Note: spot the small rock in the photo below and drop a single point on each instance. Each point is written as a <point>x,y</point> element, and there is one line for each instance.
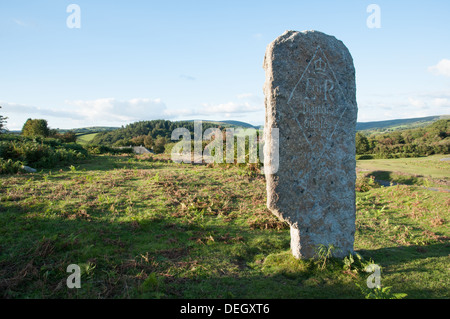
<point>29,169</point>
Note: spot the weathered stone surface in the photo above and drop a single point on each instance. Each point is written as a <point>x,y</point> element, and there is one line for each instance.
<point>310,97</point>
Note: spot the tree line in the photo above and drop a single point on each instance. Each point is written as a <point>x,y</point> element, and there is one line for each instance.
<point>153,134</point>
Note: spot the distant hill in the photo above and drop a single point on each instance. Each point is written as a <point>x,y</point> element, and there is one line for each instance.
<point>388,125</point>
<point>392,125</point>
<point>225,124</point>
<point>89,130</point>
<point>240,124</point>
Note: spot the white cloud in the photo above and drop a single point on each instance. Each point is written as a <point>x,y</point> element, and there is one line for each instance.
<point>435,103</point>
<point>404,105</point>
<point>113,110</point>
<point>442,68</point>
<point>105,111</point>
<point>441,102</point>
<point>110,109</point>
<point>245,104</point>
<point>33,111</point>
<point>215,110</point>
<point>415,102</point>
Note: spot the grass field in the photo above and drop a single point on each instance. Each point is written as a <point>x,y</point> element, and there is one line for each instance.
<point>140,227</point>
<point>426,171</point>
<point>85,138</point>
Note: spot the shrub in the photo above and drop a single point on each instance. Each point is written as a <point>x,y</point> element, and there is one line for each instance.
<point>101,149</point>
<point>9,166</point>
<point>168,148</point>
<point>364,157</point>
<point>40,152</point>
<point>365,183</point>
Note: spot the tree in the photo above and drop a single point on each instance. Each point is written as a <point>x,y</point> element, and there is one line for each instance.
<point>122,143</point>
<point>2,123</point>
<point>362,143</point>
<point>159,145</point>
<point>36,127</point>
<point>138,140</point>
<point>68,137</point>
<point>397,137</point>
<point>148,141</point>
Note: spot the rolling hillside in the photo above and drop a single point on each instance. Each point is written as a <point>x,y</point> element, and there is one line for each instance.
<point>391,125</point>
<point>87,134</point>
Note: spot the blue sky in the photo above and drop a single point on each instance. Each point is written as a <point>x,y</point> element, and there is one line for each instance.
<point>143,60</point>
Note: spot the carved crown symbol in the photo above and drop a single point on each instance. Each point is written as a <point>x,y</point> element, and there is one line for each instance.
<point>319,65</point>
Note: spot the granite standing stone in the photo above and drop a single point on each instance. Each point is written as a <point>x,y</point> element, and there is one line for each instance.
<point>310,97</point>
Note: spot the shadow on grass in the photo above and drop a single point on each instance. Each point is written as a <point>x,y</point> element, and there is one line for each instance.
<point>179,259</point>
<point>385,178</point>
<point>420,271</point>
<point>402,254</point>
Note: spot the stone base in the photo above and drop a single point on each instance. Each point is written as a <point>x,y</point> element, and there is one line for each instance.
<point>295,242</point>
<point>301,249</point>
<point>305,250</point>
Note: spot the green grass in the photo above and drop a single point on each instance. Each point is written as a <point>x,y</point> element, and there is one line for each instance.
<point>140,227</point>
<point>426,171</point>
<point>85,138</point>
